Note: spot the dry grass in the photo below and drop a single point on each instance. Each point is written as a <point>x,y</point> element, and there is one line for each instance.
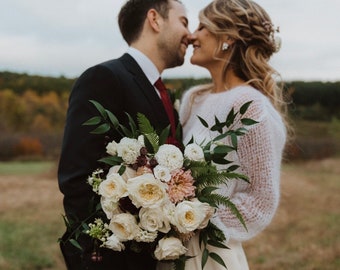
<point>304,234</point>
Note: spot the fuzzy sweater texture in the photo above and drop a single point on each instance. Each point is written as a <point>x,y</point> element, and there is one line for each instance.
<point>259,154</point>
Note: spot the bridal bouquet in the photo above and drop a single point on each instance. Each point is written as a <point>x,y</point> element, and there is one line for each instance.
<point>155,195</point>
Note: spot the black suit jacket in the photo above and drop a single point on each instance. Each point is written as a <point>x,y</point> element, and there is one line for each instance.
<point>120,86</point>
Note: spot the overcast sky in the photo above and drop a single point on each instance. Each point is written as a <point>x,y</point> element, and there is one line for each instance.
<point>64,37</point>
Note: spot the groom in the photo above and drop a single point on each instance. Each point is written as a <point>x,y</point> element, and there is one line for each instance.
<point>157,34</point>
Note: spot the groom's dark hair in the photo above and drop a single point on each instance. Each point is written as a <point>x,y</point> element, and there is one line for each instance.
<point>133,14</point>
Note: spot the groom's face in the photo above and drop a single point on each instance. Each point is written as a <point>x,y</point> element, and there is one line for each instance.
<point>173,40</point>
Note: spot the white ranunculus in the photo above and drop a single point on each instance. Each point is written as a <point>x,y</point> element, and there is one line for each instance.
<point>111,148</point>
<point>153,219</point>
<point>113,187</point>
<point>162,173</point>
<point>113,243</point>
<point>109,207</point>
<point>194,152</point>
<point>128,173</point>
<point>129,149</point>
<point>188,216</point>
<point>170,248</point>
<point>124,226</point>
<point>169,156</point>
<point>146,191</point>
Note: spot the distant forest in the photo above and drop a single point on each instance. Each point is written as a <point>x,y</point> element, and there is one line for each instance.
<point>33,109</point>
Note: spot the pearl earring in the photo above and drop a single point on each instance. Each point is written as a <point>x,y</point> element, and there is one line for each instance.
<point>225,46</point>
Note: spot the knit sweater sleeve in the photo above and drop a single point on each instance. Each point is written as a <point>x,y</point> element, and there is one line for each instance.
<point>259,154</point>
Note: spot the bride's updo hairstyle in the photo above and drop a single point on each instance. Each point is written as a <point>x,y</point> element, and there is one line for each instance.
<point>251,29</point>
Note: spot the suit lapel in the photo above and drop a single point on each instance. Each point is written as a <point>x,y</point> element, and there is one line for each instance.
<point>144,84</point>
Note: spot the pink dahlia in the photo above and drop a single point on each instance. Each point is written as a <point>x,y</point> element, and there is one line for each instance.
<point>181,185</point>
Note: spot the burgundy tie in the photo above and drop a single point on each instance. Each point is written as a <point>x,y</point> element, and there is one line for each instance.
<point>167,104</point>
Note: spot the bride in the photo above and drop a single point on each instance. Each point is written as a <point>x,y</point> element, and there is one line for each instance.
<point>234,41</point>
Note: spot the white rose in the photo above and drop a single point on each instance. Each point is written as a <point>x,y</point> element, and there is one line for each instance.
<point>153,219</point>
<point>124,226</point>
<point>194,152</point>
<point>141,140</point>
<point>146,191</point>
<point>208,212</point>
<point>169,249</point>
<point>114,187</point>
<point>177,104</point>
<point>128,173</point>
<point>162,173</point>
<point>113,243</point>
<point>169,156</point>
<point>129,149</point>
<point>111,148</point>
<point>109,207</point>
<point>188,216</point>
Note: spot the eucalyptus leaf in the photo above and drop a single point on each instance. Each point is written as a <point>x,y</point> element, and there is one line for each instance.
<point>111,160</point>
<point>245,107</point>
<point>204,123</point>
<point>100,108</point>
<point>102,129</point>
<point>217,258</point>
<point>75,243</point>
<point>248,121</point>
<point>93,121</point>
<point>113,119</point>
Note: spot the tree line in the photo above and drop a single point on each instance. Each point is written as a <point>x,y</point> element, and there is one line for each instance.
<point>33,108</point>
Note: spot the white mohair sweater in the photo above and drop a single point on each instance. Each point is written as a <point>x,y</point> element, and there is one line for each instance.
<point>259,154</point>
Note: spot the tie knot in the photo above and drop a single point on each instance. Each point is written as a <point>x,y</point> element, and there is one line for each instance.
<point>160,85</point>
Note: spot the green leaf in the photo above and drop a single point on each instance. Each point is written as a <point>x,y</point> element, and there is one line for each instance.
<point>93,121</point>
<point>100,108</point>
<point>102,129</point>
<point>231,118</point>
<point>113,119</point>
<point>204,123</point>
<point>164,135</point>
<point>217,244</point>
<point>217,258</point>
<point>223,149</point>
<point>144,124</point>
<point>245,107</point>
<point>133,125</point>
<point>76,244</point>
<point>153,140</point>
<point>126,131</point>
<point>248,121</point>
<point>121,170</point>
<point>205,257</point>
<point>111,160</point>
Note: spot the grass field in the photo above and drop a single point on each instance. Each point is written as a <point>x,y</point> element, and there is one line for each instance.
<point>305,233</point>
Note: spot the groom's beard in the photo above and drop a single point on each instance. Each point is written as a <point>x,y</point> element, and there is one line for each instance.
<point>172,53</point>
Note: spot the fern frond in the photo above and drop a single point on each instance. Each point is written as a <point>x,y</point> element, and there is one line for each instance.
<point>144,124</point>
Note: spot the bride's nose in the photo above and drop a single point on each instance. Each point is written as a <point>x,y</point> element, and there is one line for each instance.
<point>192,37</point>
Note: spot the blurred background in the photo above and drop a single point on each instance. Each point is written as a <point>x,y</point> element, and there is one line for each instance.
<point>45,46</point>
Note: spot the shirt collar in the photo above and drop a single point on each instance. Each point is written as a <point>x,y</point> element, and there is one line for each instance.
<point>148,67</point>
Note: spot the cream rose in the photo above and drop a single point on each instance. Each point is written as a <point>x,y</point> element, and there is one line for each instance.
<point>162,173</point>
<point>153,219</point>
<point>169,156</point>
<point>188,216</point>
<point>169,249</point>
<point>113,187</point>
<point>124,226</point>
<point>194,152</point>
<point>111,148</point>
<point>146,191</point>
<point>113,243</point>
<point>128,173</point>
<point>109,207</point>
